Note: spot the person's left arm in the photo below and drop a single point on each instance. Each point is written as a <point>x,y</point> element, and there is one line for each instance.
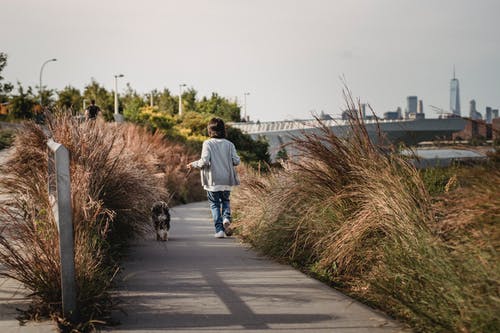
<point>204,160</point>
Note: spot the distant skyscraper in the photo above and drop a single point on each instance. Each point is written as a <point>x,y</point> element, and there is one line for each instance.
<point>494,114</point>
<point>400,113</point>
<point>363,110</point>
<point>473,113</point>
<point>472,109</point>
<point>412,102</point>
<point>488,115</point>
<point>455,96</point>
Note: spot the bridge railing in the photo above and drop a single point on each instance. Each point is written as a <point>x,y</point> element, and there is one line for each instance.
<point>287,125</point>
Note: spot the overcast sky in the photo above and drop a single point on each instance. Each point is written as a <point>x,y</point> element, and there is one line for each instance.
<point>288,54</point>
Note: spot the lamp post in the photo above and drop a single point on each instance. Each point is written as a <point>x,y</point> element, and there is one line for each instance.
<point>41,72</point>
<point>245,105</point>
<point>116,92</point>
<point>180,98</point>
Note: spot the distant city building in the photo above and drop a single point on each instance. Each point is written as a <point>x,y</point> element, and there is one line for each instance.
<point>473,113</point>
<point>324,116</point>
<point>363,110</point>
<point>494,114</point>
<point>488,115</point>
<point>416,116</point>
<point>412,102</point>
<point>412,108</point>
<point>349,114</point>
<point>473,129</point>
<point>393,115</point>
<point>495,128</point>
<point>455,96</point>
<point>420,107</point>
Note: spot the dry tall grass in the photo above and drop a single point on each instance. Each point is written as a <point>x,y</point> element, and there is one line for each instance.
<point>117,172</point>
<point>361,218</point>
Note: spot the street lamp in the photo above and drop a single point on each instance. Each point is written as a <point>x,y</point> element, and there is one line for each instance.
<point>180,98</point>
<point>245,105</point>
<point>41,71</point>
<point>116,93</point>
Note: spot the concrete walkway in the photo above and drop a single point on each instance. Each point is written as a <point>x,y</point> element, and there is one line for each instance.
<point>12,296</point>
<point>196,283</point>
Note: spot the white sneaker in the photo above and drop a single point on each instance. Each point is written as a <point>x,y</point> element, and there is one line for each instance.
<point>227,227</point>
<point>219,234</point>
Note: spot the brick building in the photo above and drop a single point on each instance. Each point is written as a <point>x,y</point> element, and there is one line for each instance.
<point>495,128</point>
<point>473,129</point>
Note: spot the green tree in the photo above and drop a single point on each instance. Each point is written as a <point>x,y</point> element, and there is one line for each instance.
<point>189,100</point>
<point>23,103</point>
<point>154,119</point>
<point>47,95</point>
<point>219,107</point>
<point>132,104</point>
<point>5,88</point>
<point>196,123</point>
<point>166,102</point>
<point>71,99</point>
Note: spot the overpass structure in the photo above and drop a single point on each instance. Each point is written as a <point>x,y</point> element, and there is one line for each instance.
<point>407,131</point>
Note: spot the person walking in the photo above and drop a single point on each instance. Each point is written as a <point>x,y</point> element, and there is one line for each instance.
<point>218,175</point>
<point>92,111</point>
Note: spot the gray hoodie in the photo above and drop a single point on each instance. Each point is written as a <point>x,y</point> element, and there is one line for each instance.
<point>218,158</point>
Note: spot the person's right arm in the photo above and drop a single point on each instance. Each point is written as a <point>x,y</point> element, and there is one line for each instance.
<point>234,155</point>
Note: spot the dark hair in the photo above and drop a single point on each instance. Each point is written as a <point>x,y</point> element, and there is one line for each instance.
<point>92,101</point>
<point>216,128</point>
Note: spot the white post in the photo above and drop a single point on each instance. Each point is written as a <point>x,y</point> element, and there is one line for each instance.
<point>116,92</point>
<point>60,199</point>
<point>117,115</point>
<point>180,98</point>
<point>245,106</point>
<point>151,99</point>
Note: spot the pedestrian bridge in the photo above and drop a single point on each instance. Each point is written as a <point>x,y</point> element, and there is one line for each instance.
<point>407,131</point>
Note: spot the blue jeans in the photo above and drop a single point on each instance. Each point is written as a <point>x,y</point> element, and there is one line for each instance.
<point>220,206</point>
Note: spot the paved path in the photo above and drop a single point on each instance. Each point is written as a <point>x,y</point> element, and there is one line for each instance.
<point>13,295</point>
<point>196,283</point>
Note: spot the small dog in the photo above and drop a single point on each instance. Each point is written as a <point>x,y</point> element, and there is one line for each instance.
<point>160,216</point>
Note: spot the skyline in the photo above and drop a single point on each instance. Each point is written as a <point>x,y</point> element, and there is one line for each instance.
<point>288,55</point>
